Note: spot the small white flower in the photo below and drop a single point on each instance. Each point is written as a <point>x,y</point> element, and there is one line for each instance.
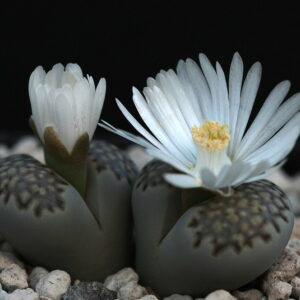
<point>199,124</point>
<point>67,101</point>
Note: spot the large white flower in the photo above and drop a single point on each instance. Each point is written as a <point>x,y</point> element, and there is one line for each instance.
<point>198,124</point>
<point>66,101</point>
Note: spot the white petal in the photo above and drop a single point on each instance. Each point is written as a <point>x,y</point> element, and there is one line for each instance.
<point>97,105</point>
<point>181,180</point>
<point>74,69</point>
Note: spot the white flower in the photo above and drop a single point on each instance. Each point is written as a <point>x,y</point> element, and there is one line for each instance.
<point>67,101</point>
<point>198,124</point>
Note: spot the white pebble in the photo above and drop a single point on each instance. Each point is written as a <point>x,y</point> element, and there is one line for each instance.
<point>131,291</point>
<point>116,281</point>
<point>220,295</point>
<point>25,145</point>
<point>13,277</point>
<point>36,274</point>
<point>178,297</point>
<point>139,156</point>
<point>53,285</point>
<point>25,294</point>
<point>4,151</point>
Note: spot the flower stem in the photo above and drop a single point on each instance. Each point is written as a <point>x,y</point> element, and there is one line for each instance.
<point>75,173</point>
<point>193,197</point>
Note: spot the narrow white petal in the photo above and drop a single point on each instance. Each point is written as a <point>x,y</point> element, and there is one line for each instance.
<point>268,109</point>
<point>249,91</point>
<point>279,145</point>
<point>235,85</point>
<point>169,159</point>
<point>284,113</point>
<point>223,101</point>
<point>127,135</point>
<point>212,80</point>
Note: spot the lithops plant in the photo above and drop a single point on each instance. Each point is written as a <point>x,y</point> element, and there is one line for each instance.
<point>205,218</point>
<point>74,213</point>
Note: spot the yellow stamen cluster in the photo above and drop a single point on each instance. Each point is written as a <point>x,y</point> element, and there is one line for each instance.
<point>212,136</point>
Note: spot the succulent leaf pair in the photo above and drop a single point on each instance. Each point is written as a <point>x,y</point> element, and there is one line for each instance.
<point>203,217</point>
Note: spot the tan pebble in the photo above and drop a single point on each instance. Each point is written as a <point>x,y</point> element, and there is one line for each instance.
<point>295,283</point>
<point>13,277</point>
<point>296,229</point>
<point>7,259</point>
<point>131,291</point>
<point>178,297</point>
<point>248,295</point>
<point>53,285</point>
<point>116,281</point>
<point>36,274</point>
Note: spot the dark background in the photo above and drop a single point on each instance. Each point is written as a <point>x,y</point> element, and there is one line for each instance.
<point>126,42</point>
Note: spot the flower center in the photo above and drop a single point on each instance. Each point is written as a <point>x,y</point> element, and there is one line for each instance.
<point>212,136</point>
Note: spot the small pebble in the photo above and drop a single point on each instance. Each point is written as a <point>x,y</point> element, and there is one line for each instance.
<point>284,269</point>
<point>296,229</point>
<point>294,244</point>
<point>89,290</point>
<point>36,274</point>
<point>248,295</point>
<point>7,259</point>
<point>13,277</point>
<point>24,294</point>
<point>6,247</point>
<point>295,283</point>
<point>279,290</point>
<point>4,151</point>
<point>26,145</point>
<point>54,284</point>
<point>178,297</point>
<point>139,156</point>
<point>131,291</point>
<point>116,281</point>
<point>220,295</point>
<point>148,297</point>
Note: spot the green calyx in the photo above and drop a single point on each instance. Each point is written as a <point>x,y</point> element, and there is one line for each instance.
<point>71,166</point>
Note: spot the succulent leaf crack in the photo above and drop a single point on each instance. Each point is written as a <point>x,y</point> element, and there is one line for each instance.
<point>107,156</point>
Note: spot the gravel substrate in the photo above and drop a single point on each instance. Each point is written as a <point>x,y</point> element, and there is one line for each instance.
<point>19,281</point>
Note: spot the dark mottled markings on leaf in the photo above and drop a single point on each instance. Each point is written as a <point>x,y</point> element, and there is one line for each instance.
<point>152,174</point>
<point>30,184</point>
<point>235,221</point>
<point>108,156</point>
